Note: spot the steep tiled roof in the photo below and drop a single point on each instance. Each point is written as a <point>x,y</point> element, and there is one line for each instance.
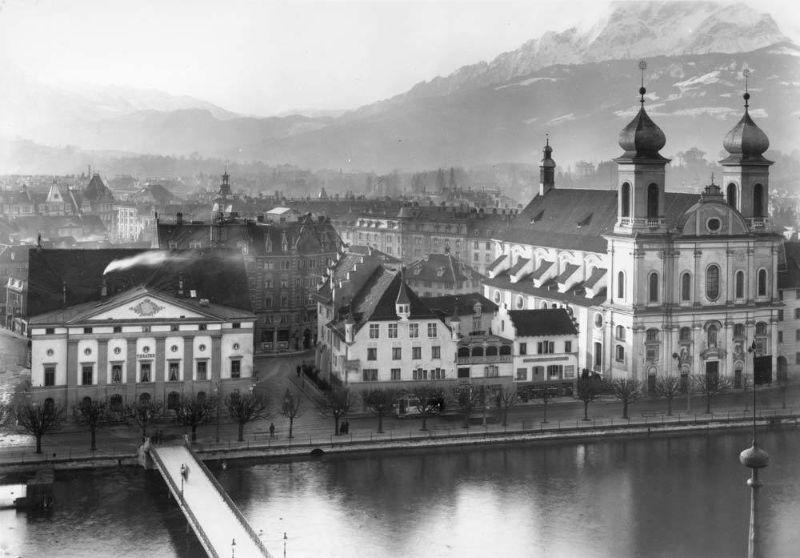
<point>460,304</point>
<point>376,300</point>
<point>534,323</point>
<point>97,191</point>
<point>440,268</point>
<point>216,275</point>
<point>577,219</point>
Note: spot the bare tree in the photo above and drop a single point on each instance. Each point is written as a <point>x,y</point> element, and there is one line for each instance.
<point>710,385</point>
<point>92,414</point>
<point>428,400</point>
<point>338,402</point>
<point>589,386</point>
<point>506,398</point>
<point>466,396</point>
<point>143,413</point>
<point>627,390</point>
<point>668,387</point>
<point>379,402</point>
<point>195,410</point>
<point>247,407</point>
<point>37,419</point>
<point>291,408</point>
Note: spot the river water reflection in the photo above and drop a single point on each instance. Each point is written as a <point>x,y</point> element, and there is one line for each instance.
<point>682,496</point>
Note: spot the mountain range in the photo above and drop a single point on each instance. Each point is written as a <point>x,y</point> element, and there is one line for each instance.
<point>579,86</point>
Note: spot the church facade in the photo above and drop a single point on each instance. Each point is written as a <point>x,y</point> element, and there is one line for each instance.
<point>657,282</point>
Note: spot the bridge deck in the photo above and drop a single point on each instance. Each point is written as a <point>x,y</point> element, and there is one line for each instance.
<point>214,518</point>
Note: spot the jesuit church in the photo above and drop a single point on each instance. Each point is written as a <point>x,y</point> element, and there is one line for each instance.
<point>657,282</point>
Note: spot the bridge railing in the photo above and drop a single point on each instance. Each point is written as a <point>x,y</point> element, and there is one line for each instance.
<point>230,503</point>
<point>176,491</point>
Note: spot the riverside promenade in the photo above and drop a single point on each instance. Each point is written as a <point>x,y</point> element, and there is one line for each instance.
<point>68,450</point>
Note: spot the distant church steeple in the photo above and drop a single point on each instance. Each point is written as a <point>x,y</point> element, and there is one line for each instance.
<point>640,171</point>
<point>547,169</point>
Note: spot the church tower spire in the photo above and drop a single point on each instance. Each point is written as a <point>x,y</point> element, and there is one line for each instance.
<point>745,169</point>
<point>547,169</point>
<point>640,171</point>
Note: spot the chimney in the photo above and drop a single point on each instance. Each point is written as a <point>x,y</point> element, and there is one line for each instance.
<point>64,293</point>
<point>103,289</point>
<point>180,282</point>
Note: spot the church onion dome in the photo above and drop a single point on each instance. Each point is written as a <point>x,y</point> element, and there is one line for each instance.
<point>642,138</point>
<point>746,142</point>
<point>547,155</point>
<point>711,216</point>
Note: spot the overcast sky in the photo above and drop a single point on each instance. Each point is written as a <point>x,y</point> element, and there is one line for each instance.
<point>267,57</point>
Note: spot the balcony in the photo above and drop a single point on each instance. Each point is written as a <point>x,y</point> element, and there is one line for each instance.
<point>759,223</point>
<point>492,359</point>
<point>631,222</point>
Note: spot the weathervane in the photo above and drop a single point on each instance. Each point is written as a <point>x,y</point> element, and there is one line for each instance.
<point>746,74</point>
<point>547,138</point>
<point>642,90</point>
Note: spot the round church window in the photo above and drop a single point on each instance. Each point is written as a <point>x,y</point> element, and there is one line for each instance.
<point>117,350</point>
<point>202,348</point>
<point>87,351</point>
<point>236,346</point>
<point>174,348</point>
<point>598,320</point>
<point>49,352</point>
<point>713,224</point>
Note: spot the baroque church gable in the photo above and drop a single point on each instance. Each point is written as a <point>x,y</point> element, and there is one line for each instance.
<point>146,307</point>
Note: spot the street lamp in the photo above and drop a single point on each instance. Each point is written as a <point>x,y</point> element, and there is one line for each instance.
<point>233,548</point>
<point>754,458</point>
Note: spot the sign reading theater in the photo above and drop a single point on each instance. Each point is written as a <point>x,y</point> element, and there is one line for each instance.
<point>138,344</point>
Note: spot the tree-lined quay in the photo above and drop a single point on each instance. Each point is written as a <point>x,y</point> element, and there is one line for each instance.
<point>469,410</point>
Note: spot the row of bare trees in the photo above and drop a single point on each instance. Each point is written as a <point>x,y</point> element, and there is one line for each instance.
<point>190,412</point>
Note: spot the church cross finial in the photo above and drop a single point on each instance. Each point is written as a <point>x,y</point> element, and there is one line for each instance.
<point>712,179</point>
<point>642,90</point>
<point>746,74</point>
<point>547,138</point>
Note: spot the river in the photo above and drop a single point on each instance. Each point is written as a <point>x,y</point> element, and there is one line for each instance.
<point>661,497</point>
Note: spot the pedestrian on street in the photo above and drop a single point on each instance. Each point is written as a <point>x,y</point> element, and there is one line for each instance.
<point>298,370</point>
<point>272,430</point>
<point>347,427</point>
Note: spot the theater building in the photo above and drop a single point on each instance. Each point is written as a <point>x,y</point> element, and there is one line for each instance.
<point>140,344</point>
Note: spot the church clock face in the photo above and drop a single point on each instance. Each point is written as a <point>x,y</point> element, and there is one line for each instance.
<point>713,224</point>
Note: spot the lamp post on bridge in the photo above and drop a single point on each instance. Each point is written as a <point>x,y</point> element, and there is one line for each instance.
<point>754,458</point>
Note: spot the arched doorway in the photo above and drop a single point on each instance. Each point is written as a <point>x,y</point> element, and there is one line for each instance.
<point>173,400</point>
<point>307,339</point>
<point>145,398</point>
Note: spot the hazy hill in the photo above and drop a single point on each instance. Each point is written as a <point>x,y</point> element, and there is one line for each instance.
<point>579,86</point>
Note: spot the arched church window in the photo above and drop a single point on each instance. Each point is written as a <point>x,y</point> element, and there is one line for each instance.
<point>758,200</point>
<point>620,353</point>
<point>739,284</point>
<point>712,282</point>
<point>762,282</point>
<point>686,287</point>
<point>651,335</point>
<point>620,333</point>
<point>625,200</point>
<point>652,289</point>
<point>761,329</point>
<point>652,201</point>
<point>620,285</point>
<point>732,194</point>
<point>685,334</point>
